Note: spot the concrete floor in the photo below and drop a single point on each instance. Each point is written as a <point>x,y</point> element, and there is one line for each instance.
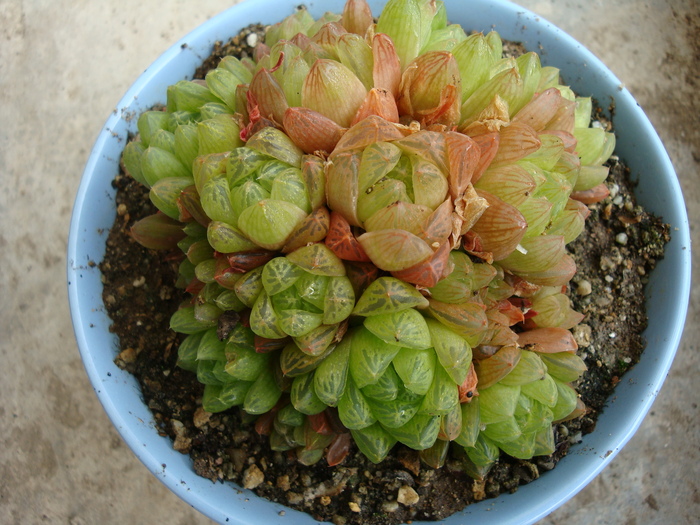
<point>64,64</point>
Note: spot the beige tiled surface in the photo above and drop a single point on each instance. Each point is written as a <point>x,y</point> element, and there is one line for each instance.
<point>64,64</point>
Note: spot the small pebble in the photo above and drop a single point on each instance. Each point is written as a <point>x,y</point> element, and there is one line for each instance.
<point>407,496</point>
<point>621,238</point>
<point>252,39</point>
<point>354,507</point>
<point>253,477</point>
<point>201,417</point>
<point>294,498</point>
<point>283,483</point>
<point>584,288</point>
<point>390,506</point>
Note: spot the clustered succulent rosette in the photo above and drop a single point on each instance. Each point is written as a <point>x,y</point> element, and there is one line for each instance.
<point>374,219</point>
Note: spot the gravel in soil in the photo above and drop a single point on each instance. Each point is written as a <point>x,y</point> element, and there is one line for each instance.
<point>614,257</point>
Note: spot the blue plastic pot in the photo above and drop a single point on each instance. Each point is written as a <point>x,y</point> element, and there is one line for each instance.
<point>637,144</point>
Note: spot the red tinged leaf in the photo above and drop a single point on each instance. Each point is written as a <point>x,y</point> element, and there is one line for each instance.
<point>265,423</point>
<point>540,110</point>
<point>158,232</point>
<point>500,228</point>
<point>312,229</point>
<point>379,102</point>
<point>430,271</point>
<point>265,346</point>
<point>338,449</point>
<point>463,155</point>
<point>361,275</point>
<point>548,340</point>
<point>320,424</point>
<point>245,261</point>
<point>467,390</point>
<point>194,287</point>
<point>342,241</point>
<point>311,131</point>
<point>386,72</point>
<point>488,147</point>
<point>226,276</point>
<point>357,16</point>
<point>595,194</point>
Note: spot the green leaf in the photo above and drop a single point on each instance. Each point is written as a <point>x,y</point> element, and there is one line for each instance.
<point>262,395</point>
<point>332,374</point>
<point>165,193</point>
<point>245,363</point>
<point>522,448</point>
<point>270,222</point>
<point>419,433</point>
<point>279,274</point>
<point>216,200</point>
<point>374,442</point>
<point>483,455</point>
<point>298,323</point>
<point>543,390</point>
<point>318,259</point>
<point>416,368</point>
<point>404,328</point>
<point>471,423</point>
<point>187,95</point>
<point>386,388</point>
<point>187,352</point>
<point>249,287</point>
<point>225,238</point>
<point>388,295</point>
<point>183,321</point>
<point>218,398</point>
<point>211,347</point>
<point>339,300</point>
<point>396,413</point>
<point>304,396</point>
<point>219,134</point>
<point>295,362</point>
<point>264,320</point>
<point>497,403</point>
<point>317,341</point>
<point>566,401</point>
<point>529,368</point>
<point>274,143</point>
<point>353,408</point>
<point>158,164</point>
<point>564,366</point>
<point>369,357</point>
<point>149,123</point>
<point>442,396</point>
<point>453,351</point>
<point>503,431</point>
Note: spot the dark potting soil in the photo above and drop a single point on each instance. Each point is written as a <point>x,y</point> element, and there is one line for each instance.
<point>614,257</point>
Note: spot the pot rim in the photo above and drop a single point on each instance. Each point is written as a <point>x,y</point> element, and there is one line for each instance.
<point>667,293</point>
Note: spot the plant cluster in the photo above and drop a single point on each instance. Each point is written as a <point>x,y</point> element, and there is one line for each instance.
<point>372,220</point>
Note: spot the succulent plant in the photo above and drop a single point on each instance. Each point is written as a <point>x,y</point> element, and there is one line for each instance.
<point>373,220</point>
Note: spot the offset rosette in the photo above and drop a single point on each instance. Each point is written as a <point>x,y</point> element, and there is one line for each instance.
<point>406,193</point>
<point>399,376</point>
<point>523,389</point>
<point>266,194</point>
